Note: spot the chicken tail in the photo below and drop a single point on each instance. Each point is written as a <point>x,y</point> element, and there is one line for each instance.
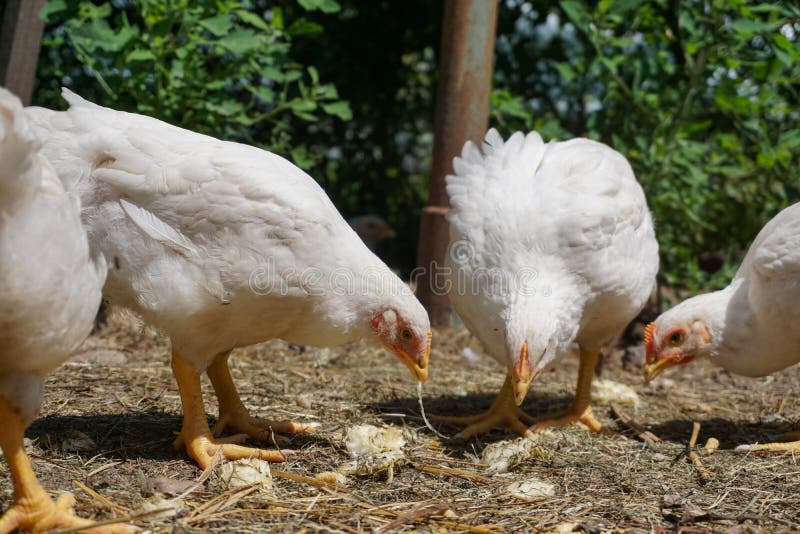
<point>497,163</point>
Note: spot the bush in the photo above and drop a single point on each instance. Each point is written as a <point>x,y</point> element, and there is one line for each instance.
<point>702,97</point>
<point>218,67</point>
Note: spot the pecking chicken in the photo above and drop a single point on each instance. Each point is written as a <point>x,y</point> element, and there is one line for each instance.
<point>551,245</point>
<point>748,328</point>
<point>49,292</point>
<point>372,229</point>
<point>223,245</point>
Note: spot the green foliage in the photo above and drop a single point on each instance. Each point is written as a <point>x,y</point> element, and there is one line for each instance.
<point>218,67</point>
<point>702,97</point>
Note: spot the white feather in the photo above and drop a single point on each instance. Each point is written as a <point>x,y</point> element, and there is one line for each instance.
<point>158,229</point>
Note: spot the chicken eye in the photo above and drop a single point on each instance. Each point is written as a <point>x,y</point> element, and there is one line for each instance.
<point>676,338</point>
<point>405,334</point>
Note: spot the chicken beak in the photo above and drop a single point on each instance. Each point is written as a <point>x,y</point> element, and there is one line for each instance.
<point>654,366</point>
<point>652,370</point>
<point>521,375</point>
<point>418,366</point>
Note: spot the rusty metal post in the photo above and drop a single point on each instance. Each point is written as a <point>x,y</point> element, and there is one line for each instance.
<point>20,41</point>
<point>462,113</point>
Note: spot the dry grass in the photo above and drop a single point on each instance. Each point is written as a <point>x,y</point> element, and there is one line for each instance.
<point>612,482</point>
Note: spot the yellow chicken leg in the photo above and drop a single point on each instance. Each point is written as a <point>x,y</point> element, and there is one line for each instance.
<point>233,414</point>
<point>33,510</point>
<point>195,434</point>
<point>580,410</point>
<point>503,414</point>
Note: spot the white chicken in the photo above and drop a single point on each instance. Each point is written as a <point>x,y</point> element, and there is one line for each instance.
<point>223,245</point>
<point>750,327</point>
<point>49,293</point>
<point>551,245</point>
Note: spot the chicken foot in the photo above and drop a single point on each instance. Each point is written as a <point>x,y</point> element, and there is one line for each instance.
<point>33,510</point>
<point>581,409</point>
<point>195,434</point>
<point>503,414</point>
<point>233,414</point>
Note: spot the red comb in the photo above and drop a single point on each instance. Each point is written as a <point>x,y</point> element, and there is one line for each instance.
<point>649,342</point>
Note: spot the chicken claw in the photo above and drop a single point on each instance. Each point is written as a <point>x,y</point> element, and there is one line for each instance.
<point>502,414</point>
<point>233,414</point>
<point>581,409</point>
<point>572,415</point>
<point>205,450</point>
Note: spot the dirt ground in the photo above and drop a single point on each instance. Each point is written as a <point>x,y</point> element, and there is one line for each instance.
<point>121,395</point>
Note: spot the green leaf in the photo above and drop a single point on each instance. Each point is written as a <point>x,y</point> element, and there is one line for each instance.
<point>277,18</point>
<point>301,157</point>
<point>140,55</point>
<point>98,35</point>
<point>327,91</point>
<point>92,11</point>
<point>622,7</point>
<point>51,8</point>
<point>252,19</point>
<point>566,71</point>
<point>326,6</point>
<point>240,41</point>
<point>299,104</point>
<point>273,73</point>
<point>314,75</point>
<point>304,27</point>
<point>263,93</point>
<point>339,109</point>
<point>219,25</point>
<point>226,107</point>
<point>577,13</point>
<point>747,27</point>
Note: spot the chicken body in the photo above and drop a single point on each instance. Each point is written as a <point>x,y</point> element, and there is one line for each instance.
<point>49,293</point>
<point>222,245</point>
<point>552,245</point>
<point>750,327</point>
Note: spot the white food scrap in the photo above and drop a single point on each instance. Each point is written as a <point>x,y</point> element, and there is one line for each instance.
<point>607,391</point>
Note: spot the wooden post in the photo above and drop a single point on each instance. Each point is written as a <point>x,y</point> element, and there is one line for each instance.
<point>20,41</point>
<point>462,113</point>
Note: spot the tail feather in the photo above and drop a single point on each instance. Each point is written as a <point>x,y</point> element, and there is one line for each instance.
<point>75,99</point>
<point>512,162</point>
<point>19,161</point>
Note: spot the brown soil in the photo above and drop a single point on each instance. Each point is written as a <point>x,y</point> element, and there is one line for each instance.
<point>121,394</point>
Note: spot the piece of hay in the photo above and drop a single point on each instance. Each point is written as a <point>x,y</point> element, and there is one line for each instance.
<point>422,412</point>
<point>332,479</point>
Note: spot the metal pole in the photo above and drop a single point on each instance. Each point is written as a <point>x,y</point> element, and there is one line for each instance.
<point>20,40</point>
<point>462,113</point>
